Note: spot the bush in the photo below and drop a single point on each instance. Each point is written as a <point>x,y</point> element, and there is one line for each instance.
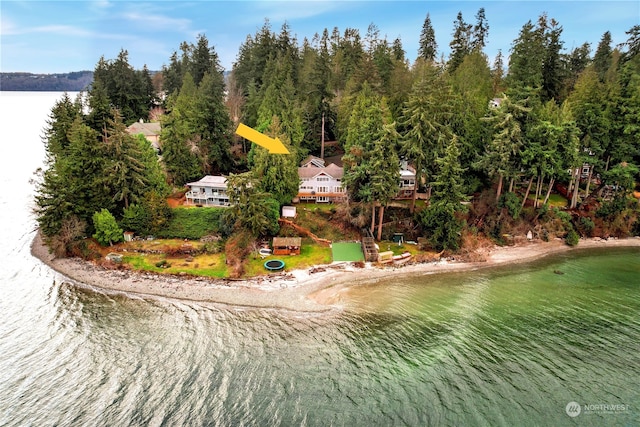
<point>512,203</point>
<point>586,226</point>
<point>107,229</point>
<point>572,238</point>
<point>442,225</point>
<point>612,208</point>
<point>148,217</point>
<point>192,223</point>
<point>136,219</point>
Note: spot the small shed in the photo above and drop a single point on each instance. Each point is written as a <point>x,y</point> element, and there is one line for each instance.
<point>288,211</point>
<point>287,245</point>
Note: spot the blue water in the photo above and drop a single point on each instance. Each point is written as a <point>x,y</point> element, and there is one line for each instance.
<point>510,346</point>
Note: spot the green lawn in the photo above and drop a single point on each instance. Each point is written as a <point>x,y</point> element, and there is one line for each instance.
<point>310,254</point>
<point>347,252</point>
<point>202,265</point>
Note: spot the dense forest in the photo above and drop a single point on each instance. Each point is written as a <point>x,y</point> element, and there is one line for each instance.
<point>491,141</point>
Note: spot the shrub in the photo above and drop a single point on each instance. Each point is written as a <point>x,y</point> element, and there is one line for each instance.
<point>192,223</point>
<point>611,208</point>
<point>512,203</point>
<point>572,238</point>
<point>136,218</point>
<point>107,229</point>
<point>148,217</point>
<point>442,225</point>
<point>586,226</point>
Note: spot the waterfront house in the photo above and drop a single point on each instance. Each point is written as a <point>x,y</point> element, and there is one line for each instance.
<point>320,183</point>
<point>407,183</point>
<point>209,191</point>
<point>323,184</point>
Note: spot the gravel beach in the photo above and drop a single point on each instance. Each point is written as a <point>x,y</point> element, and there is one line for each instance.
<point>312,290</point>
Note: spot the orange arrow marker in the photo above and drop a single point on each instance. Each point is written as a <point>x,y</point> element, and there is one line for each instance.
<point>274,146</point>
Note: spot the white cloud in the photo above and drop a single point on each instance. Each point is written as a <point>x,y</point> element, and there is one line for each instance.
<point>159,22</point>
<point>63,30</point>
<point>6,26</point>
<point>102,4</point>
<point>280,11</point>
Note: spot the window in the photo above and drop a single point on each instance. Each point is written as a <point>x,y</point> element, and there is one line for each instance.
<point>322,178</point>
<point>323,189</point>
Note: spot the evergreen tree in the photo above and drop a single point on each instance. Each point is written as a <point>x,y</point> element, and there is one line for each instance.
<point>179,143</point>
<point>480,31</point>
<point>552,67</point>
<point>500,159</point>
<point>124,171</point>
<point>57,132</point>
<point>213,124</point>
<point>99,106</point>
<point>366,141</point>
<point>277,175</point>
<point>603,56</point>
<point>127,90</point>
<point>348,56</point>
<point>172,75</point>
<point>575,63</point>
<point>425,123</point>
<point>497,74</point>
<point>460,44</point>
<point>632,43</point>
<point>442,220</point>
<point>398,50</point>
<point>472,90</point>
<point>527,56</point>
<point>201,60</point>
<point>428,47</point>
<point>385,173</point>
<point>589,106</point>
<point>251,209</point>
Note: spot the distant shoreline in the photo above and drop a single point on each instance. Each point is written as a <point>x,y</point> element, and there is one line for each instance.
<point>298,290</point>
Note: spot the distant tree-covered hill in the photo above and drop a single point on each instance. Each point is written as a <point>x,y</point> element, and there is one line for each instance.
<point>70,82</point>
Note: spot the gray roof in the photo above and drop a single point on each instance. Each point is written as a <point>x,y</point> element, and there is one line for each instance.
<point>332,170</point>
<point>147,129</point>
<point>313,161</point>
<point>210,181</point>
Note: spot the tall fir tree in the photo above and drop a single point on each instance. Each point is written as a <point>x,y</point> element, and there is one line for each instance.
<point>428,47</point>
<point>460,44</point>
<point>603,56</point>
<point>480,31</point>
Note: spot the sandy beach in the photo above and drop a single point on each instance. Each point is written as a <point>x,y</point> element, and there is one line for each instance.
<point>299,290</point>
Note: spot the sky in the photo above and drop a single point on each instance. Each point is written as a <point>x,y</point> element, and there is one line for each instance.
<point>64,36</point>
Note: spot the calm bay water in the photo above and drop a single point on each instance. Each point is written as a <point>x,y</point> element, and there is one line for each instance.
<point>510,346</point>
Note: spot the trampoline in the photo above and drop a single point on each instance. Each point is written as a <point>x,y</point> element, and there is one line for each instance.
<point>274,264</point>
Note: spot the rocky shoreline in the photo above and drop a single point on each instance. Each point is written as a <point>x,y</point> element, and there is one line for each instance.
<point>313,290</point>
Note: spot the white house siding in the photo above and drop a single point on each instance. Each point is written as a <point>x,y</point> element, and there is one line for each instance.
<point>209,191</point>
<point>321,184</point>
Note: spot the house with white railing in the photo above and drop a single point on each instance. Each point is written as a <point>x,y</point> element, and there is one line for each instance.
<point>320,183</point>
<point>209,191</point>
<point>407,182</point>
